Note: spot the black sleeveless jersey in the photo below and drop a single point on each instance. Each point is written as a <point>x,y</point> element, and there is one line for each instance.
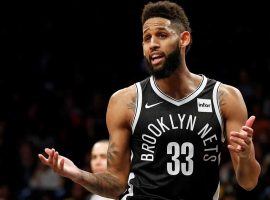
<point>175,144</point>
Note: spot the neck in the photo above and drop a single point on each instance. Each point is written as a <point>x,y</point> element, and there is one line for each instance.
<point>180,84</point>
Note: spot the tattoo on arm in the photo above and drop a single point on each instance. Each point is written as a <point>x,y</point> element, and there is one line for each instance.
<point>104,184</point>
<point>132,105</point>
<point>221,95</point>
<point>111,154</point>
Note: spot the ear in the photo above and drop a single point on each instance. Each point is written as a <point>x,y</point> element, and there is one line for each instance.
<point>185,38</point>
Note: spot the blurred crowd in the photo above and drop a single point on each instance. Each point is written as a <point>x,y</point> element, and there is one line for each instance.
<point>57,121</point>
<point>63,120</point>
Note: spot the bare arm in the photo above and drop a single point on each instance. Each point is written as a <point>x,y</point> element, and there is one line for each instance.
<point>239,133</point>
<point>112,182</point>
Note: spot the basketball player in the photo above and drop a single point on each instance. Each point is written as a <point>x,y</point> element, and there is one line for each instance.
<point>166,132</point>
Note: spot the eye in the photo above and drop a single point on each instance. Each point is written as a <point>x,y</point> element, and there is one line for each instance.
<point>146,38</point>
<point>93,157</point>
<point>162,35</point>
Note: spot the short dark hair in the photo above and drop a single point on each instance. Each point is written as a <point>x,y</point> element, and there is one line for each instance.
<point>167,10</point>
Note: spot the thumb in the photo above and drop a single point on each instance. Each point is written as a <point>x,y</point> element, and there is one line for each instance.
<point>250,121</point>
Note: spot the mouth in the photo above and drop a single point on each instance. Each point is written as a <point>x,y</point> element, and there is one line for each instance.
<point>98,169</point>
<point>157,58</point>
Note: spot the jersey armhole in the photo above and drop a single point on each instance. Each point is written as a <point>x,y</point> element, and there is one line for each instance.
<point>218,110</point>
<point>138,106</point>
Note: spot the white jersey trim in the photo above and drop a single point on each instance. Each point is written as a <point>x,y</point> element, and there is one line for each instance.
<point>131,156</point>
<point>130,189</point>
<point>217,109</point>
<point>216,195</point>
<point>138,106</point>
<point>180,101</point>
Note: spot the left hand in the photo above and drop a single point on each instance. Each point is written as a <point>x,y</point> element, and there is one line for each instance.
<point>241,142</point>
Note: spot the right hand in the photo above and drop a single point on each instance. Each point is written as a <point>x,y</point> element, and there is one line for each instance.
<point>241,142</point>
<point>60,164</point>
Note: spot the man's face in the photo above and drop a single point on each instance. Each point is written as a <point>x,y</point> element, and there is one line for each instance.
<point>160,46</point>
<point>98,159</point>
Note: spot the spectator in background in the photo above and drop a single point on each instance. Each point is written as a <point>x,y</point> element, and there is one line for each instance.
<point>98,162</point>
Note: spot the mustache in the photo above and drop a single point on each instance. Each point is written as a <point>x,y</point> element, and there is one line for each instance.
<point>172,62</point>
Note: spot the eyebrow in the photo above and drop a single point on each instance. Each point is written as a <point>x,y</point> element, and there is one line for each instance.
<point>158,28</point>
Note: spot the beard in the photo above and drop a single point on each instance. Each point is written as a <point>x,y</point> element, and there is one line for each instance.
<point>172,62</point>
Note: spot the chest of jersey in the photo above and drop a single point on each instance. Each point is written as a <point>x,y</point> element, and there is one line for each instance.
<point>172,132</point>
<point>175,144</point>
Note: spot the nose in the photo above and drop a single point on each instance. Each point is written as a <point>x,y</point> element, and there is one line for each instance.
<point>154,43</point>
<point>95,164</point>
<point>98,161</point>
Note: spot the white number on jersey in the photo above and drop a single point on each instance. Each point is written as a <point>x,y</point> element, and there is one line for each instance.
<point>175,167</point>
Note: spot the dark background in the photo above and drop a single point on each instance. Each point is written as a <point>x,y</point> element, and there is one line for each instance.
<point>60,62</point>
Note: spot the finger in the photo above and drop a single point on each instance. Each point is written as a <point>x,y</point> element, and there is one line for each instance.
<point>62,162</point>
<point>43,159</point>
<point>240,148</point>
<point>237,148</point>
<point>234,149</point>
<point>250,121</point>
<point>237,134</point>
<point>48,151</point>
<point>55,160</point>
<point>238,141</point>
<point>242,136</point>
<point>51,155</point>
<point>248,130</point>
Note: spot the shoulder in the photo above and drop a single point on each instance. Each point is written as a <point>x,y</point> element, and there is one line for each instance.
<point>125,95</point>
<point>231,100</point>
<point>229,93</point>
<point>123,104</point>
<point>230,90</point>
<point>127,92</point>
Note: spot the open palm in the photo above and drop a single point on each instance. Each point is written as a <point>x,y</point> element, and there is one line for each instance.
<point>60,164</point>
